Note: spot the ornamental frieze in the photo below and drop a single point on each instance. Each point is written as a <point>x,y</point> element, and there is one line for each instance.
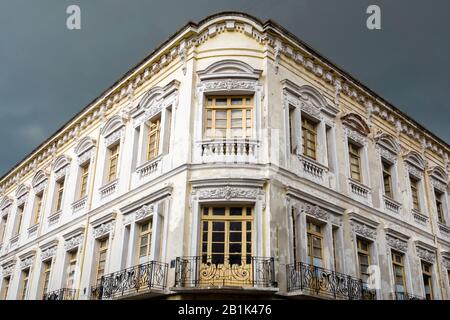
<point>114,137</point>
<point>426,255</point>
<point>438,185</point>
<point>396,243</point>
<point>27,262</point>
<point>446,263</point>
<point>143,212</point>
<point>103,229</point>
<point>73,242</point>
<point>230,84</point>
<point>313,210</point>
<point>229,193</point>
<point>386,154</point>
<point>355,136</point>
<point>310,109</point>
<point>363,230</point>
<point>48,253</point>
<point>86,156</point>
<point>8,269</point>
<point>412,170</point>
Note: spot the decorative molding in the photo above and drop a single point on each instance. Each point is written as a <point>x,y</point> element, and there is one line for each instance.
<point>414,171</point>
<point>228,192</point>
<point>103,229</point>
<point>446,263</point>
<point>426,255</point>
<point>73,242</point>
<point>396,243</point>
<point>229,84</point>
<point>49,253</point>
<point>8,268</point>
<point>363,230</point>
<point>355,136</point>
<point>27,260</point>
<point>114,137</point>
<point>437,184</point>
<point>313,210</point>
<point>144,212</point>
<point>386,154</point>
<point>86,156</point>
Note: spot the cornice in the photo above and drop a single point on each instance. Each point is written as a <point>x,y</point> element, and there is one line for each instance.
<point>269,33</point>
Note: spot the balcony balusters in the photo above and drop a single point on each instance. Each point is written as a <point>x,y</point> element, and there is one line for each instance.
<point>135,280</point>
<point>220,271</point>
<point>322,282</point>
<point>61,294</point>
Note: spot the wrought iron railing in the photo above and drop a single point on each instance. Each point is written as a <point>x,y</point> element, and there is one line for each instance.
<point>222,271</point>
<point>61,294</point>
<point>135,280</point>
<point>322,282</point>
<point>407,296</point>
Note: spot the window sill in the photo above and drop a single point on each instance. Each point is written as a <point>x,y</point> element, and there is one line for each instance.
<point>419,217</point>
<point>54,218</point>
<point>444,228</point>
<point>312,168</point>
<point>149,167</point>
<point>79,204</point>
<point>359,189</point>
<point>391,205</point>
<point>228,150</point>
<point>108,189</point>
<point>33,230</point>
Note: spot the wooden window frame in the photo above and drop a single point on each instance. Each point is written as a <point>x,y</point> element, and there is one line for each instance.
<point>148,235</point>
<point>311,234</point>
<point>363,252</point>
<point>439,206</point>
<point>400,265</point>
<point>47,269</point>
<point>309,129</point>
<point>19,219</point>
<point>3,225</point>
<point>113,162</point>
<point>5,286</point>
<point>415,195</point>
<point>84,178</point>
<point>60,185</point>
<point>354,152</point>
<point>101,249</point>
<point>154,130</point>
<point>244,107</point>
<point>227,217</point>
<point>24,283</point>
<point>387,179</point>
<point>429,275</point>
<point>37,210</point>
<point>72,261</point>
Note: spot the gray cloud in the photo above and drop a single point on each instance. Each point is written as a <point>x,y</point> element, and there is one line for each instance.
<point>48,73</point>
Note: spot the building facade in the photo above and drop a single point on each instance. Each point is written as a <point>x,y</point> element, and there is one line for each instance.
<point>234,161</point>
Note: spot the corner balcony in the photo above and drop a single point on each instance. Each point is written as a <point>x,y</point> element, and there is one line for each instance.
<point>61,294</point>
<point>406,296</point>
<point>148,279</point>
<point>220,273</point>
<point>305,279</point>
<point>228,151</point>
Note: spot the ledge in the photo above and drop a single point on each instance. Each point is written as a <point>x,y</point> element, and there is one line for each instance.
<point>108,188</point>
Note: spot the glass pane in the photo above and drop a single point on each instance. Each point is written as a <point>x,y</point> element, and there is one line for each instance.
<point>218,247</point>
<point>236,101</point>
<point>221,102</point>
<point>235,211</point>
<point>235,236</point>
<point>219,211</point>
<point>235,248</point>
<point>218,226</point>
<point>218,236</point>
<point>236,225</point>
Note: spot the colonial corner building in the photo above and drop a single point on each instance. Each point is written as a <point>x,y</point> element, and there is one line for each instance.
<point>234,161</point>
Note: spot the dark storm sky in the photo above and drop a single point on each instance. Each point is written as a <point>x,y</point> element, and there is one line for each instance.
<point>48,73</point>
